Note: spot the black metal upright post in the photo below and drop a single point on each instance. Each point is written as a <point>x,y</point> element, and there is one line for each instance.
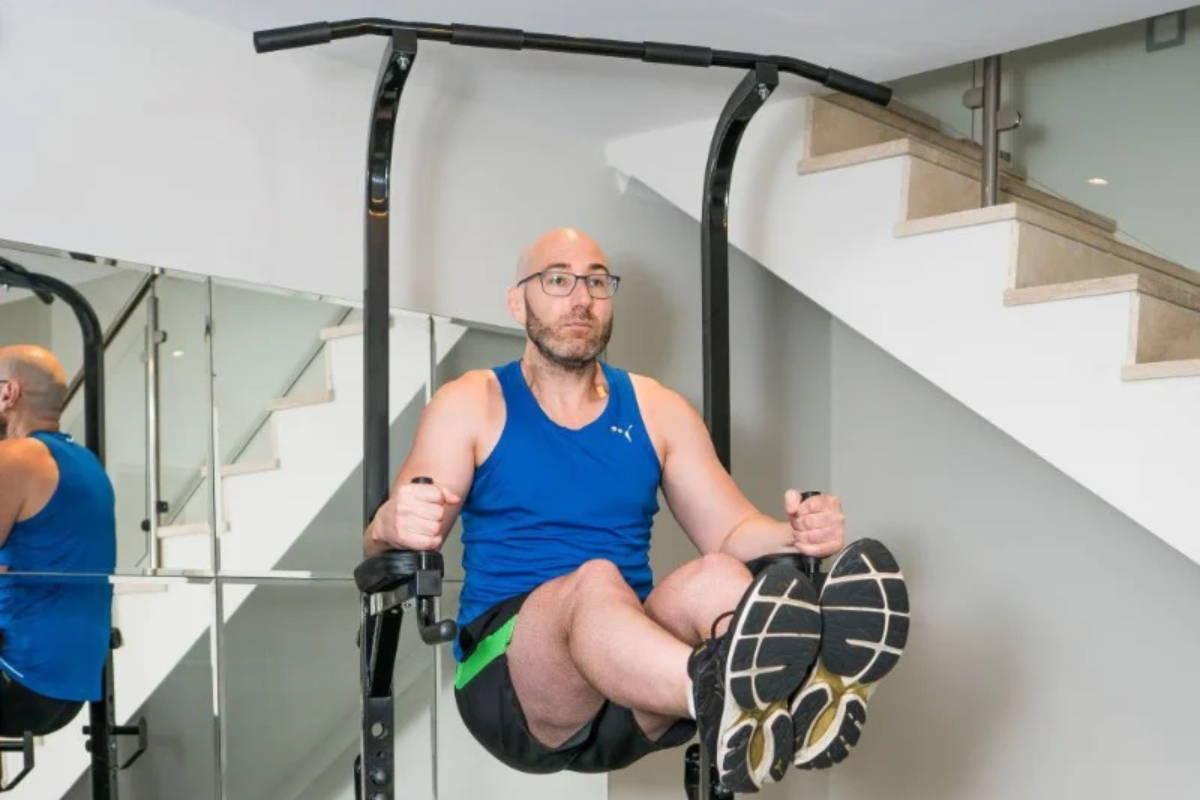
<point>101,714</point>
<point>746,99</point>
<point>101,742</point>
<point>377,774</point>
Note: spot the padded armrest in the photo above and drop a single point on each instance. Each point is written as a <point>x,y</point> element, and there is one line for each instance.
<point>395,568</point>
<point>417,573</point>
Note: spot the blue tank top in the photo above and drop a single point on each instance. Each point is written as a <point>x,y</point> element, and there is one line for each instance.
<point>56,630</point>
<point>549,498</point>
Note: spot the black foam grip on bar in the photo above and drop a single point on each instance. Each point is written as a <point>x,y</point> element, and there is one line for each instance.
<point>684,54</point>
<point>295,36</point>
<point>480,36</point>
<point>859,87</point>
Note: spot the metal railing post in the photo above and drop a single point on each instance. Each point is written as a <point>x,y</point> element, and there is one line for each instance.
<point>154,338</point>
<point>990,180</point>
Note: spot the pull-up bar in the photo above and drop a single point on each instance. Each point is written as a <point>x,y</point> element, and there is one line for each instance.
<point>684,55</point>
<point>391,580</point>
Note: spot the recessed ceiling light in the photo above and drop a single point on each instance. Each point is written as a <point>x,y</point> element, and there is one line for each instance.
<point>1098,181</point>
<point>177,354</point>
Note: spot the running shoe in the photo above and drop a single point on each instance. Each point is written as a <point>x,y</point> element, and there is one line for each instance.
<point>743,679</point>
<point>864,611</point>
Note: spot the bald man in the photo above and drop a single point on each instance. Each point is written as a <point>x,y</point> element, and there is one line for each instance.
<point>569,656</point>
<point>56,516</point>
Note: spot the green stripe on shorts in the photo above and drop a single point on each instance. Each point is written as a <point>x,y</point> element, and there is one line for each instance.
<point>491,648</point>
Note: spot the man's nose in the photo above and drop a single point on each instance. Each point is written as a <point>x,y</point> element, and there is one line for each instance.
<point>580,295</point>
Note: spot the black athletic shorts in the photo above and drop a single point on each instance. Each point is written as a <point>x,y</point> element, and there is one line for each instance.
<point>488,704</point>
<point>22,709</point>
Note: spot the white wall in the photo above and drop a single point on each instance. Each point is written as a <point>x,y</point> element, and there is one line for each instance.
<point>139,130</point>
<point>1099,105</point>
<point>1047,627</point>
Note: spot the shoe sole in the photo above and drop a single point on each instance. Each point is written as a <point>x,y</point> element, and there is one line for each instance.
<point>865,615</point>
<point>776,634</point>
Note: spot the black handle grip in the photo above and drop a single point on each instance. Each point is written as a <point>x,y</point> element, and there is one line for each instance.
<point>812,564</point>
<point>433,630</point>
<point>859,87</point>
<point>481,36</point>
<point>809,565</point>
<point>294,36</point>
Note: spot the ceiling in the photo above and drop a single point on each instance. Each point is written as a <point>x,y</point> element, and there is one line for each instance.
<point>879,39</point>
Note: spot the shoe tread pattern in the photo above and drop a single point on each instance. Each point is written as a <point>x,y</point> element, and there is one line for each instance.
<point>865,612</point>
<point>865,608</point>
<point>776,634</point>
<point>771,643</point>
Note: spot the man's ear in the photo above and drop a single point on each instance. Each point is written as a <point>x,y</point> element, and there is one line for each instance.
<point>516,304</point>
<point>10,393</point>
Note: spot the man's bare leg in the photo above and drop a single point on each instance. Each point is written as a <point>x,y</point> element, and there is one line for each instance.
<point>686,603</point>
<point>585,637</point>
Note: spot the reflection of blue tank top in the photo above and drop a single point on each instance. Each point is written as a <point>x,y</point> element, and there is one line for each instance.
<point>56,630</point>
<point>549,498</point>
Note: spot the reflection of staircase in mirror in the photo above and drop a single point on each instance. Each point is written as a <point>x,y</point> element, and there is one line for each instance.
<point>292,504</point>
<point>310,443</point>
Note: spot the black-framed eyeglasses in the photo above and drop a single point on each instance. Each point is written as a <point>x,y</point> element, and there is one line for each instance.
<point>560,283</point>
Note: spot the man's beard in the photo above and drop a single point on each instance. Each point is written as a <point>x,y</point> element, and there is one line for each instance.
<point>3,428</point>
<point>580,356</point>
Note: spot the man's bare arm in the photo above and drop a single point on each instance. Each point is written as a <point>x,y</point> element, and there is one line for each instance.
<point>16,476</point>
<point>443,449</point>
<point>715,513</point>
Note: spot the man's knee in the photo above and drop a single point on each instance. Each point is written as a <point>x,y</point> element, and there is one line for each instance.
<point>688,600</point>
<point>720,567</point>
<point>597,579</point>
<point>598,571</point>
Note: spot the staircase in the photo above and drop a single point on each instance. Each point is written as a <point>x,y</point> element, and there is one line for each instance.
<point>1033,313</point>
<point>315,447</point>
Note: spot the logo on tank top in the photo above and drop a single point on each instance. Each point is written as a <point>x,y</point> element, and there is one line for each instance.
<point>622,431</point>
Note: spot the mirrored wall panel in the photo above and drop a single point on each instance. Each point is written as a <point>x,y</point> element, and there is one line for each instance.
<point>207,553</point>
<point>290,708</point>
<point>161,651</point>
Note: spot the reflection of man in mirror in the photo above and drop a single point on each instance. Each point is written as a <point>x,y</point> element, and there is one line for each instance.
<point>56,516</point>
